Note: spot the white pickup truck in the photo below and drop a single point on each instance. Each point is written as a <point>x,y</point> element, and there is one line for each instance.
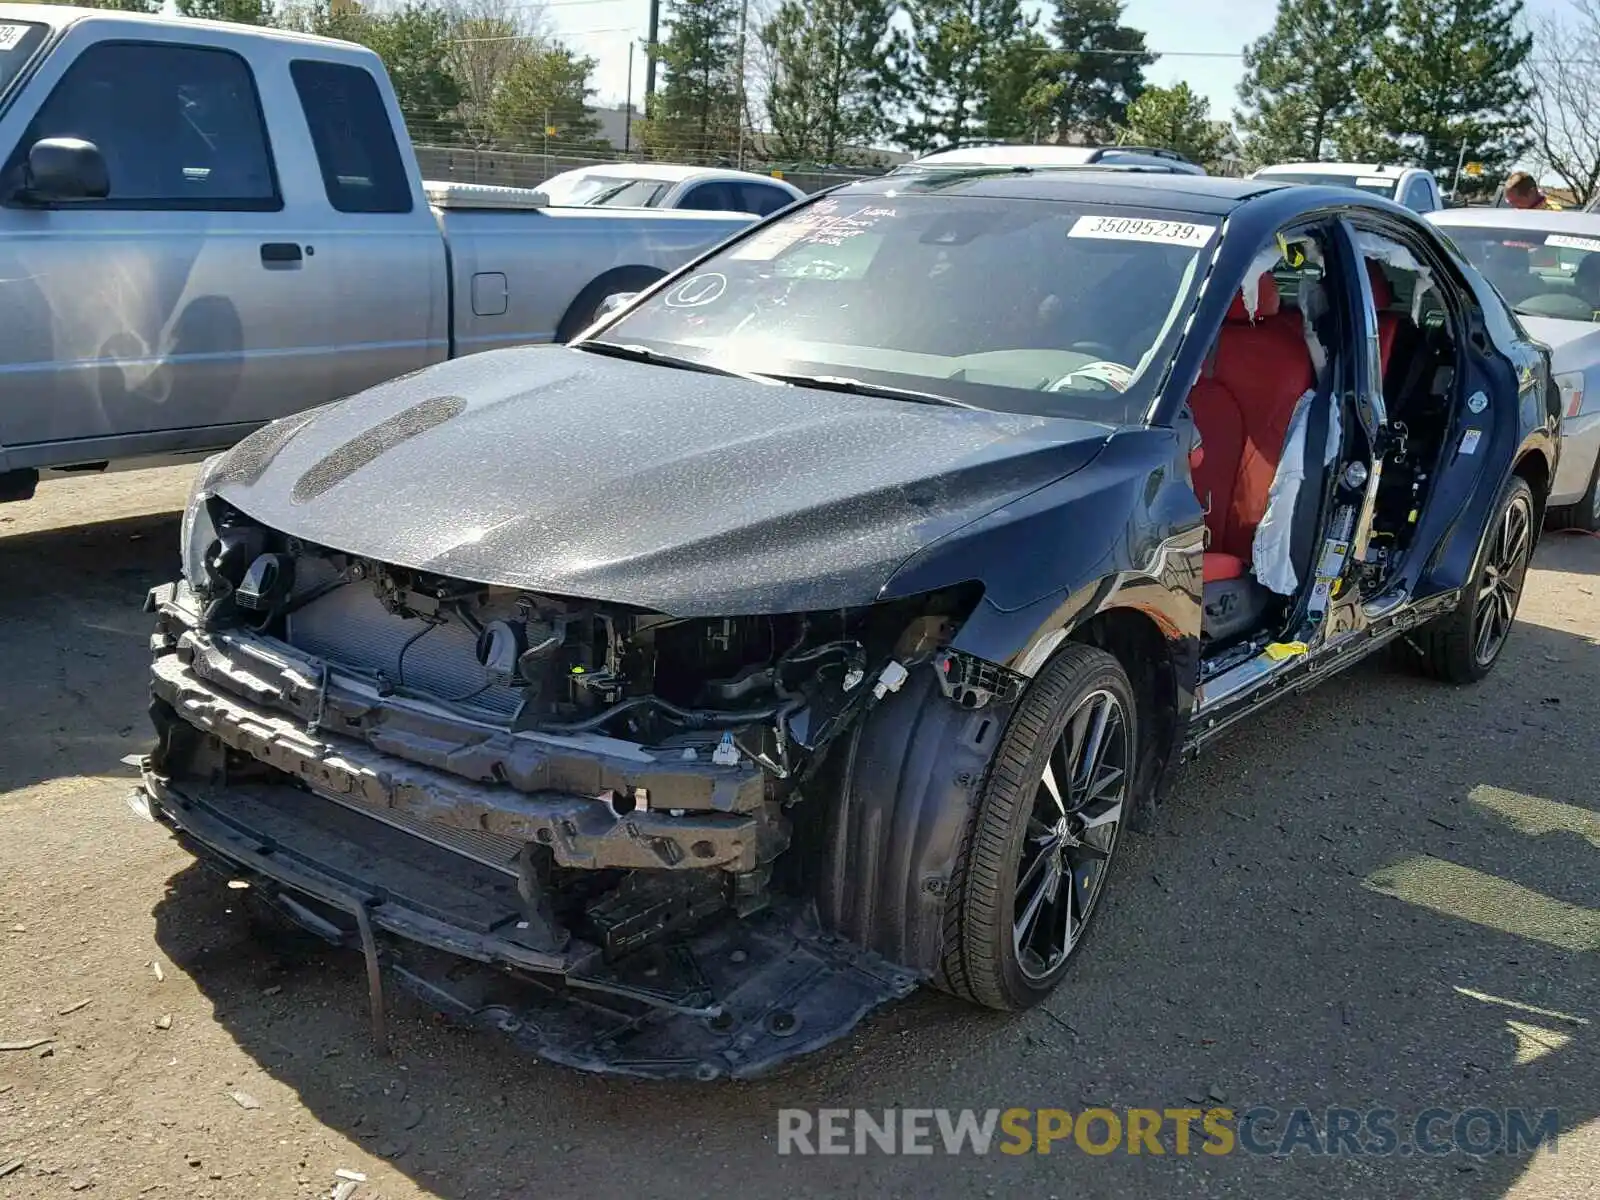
<point>206,226</point>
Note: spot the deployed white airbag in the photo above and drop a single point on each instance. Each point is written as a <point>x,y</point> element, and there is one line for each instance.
<point>1270,553</point>
<point>1401,259</point>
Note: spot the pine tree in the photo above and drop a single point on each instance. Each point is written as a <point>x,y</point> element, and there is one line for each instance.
<point>1300,78</point>
<point>1176,119</point>
<point>243,12</point>
<point>696,115</point>
<point>548,88</point>
<point>1447,77</point>
<point>1019,102</point>
<point>826,85</point>
<point>139,6</point>
<point>1096,70</point>
<point>958,54</point>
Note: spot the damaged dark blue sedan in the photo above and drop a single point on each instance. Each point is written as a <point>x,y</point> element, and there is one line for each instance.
<point>817,623</point>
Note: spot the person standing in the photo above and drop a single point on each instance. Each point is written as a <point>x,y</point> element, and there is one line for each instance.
<point>1522,191</point>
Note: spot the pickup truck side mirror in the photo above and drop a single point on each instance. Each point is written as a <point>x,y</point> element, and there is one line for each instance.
<point>612,303</point>
<point>64,169</point>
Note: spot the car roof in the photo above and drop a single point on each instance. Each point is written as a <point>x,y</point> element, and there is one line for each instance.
<point>1335,168</point>
<point>1190,193</point>
<point>1549,220</point>
<point>59,16</point>
<point>1006,154</point>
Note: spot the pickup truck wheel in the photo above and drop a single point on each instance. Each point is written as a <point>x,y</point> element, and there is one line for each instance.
<point>1463,645</point>
<point>586,308</point>
<point>1036,857</point>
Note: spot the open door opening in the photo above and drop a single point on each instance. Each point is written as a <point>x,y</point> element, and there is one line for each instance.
<point>1269,436</point>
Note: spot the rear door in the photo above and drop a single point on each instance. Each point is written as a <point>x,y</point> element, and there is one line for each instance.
<point>144,312</point>
<point>373,246</point>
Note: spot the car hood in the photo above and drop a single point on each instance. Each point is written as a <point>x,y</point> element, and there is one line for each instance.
<point>687,493</point>
<point>1574,345</point>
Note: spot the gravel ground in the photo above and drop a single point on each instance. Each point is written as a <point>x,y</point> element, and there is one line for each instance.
<point>1382,894</point>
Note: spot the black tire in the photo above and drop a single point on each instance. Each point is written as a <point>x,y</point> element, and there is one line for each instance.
<point>586,308</point>
<point>1585,514</point>
<point>1455,647</point>
<point>982,962</point>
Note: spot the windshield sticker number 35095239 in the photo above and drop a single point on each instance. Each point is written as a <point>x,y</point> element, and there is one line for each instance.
<point>1132,229</point>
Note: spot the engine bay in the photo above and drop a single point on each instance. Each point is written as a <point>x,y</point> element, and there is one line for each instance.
<point>774,689</point>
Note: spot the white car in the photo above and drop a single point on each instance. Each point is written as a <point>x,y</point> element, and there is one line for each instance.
<point>1001,155</point>
<point>1413,187</point>
<point>666,185</point>
<point>1546,264</point>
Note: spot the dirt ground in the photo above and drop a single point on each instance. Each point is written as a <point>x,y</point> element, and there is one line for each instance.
<point>1382,894</point>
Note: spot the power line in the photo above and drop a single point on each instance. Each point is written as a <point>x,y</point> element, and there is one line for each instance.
<point>540,37</point>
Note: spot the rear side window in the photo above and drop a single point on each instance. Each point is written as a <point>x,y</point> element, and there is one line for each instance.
<point>761,199</point>
<point>712,197</point>
<point>179,126</point>
<point>362,170</point>
<point>1419,195</point>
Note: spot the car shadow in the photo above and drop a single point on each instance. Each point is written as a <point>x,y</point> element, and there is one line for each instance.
<point>77,645</point>
<point>1574,550</point>
<point>1381,894</point>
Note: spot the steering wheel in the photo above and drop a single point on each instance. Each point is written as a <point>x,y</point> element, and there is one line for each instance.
<point>1098,349</point>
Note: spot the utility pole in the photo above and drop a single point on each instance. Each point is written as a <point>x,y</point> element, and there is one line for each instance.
<point>744,21</point>
<point>1455,183</point>
<point>627,104</point>
<point>650,62</point>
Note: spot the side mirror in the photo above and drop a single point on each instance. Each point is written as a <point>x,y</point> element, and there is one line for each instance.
<point>612,303</point>
<point>65,169</point>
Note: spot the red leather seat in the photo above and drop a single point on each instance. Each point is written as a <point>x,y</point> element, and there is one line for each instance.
<point>1242,404</point>
<point>1388,322</point>
<point>1221,567</point>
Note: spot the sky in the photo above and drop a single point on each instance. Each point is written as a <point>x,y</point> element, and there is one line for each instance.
<point>1201,40</point>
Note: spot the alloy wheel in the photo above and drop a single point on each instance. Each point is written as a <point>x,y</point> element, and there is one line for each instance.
<point>1500,585</point>
<point>1072,832</point>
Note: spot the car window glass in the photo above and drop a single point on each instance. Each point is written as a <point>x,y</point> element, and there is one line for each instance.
<point>18,41</point>
<point>1419,195</point>
<point>627,193</point>
<point>1375,184</point>
<point>1540,273</point>
<point>178,126</point>
<point>362,170</point>
<point>1023,305</point>
<point>712,197</point>
<point>762,199</point>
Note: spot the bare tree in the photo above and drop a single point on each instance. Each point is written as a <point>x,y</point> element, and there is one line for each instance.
<point>487,39</point>
<point>1564,112</point>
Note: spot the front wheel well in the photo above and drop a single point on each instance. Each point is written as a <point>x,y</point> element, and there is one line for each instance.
<point>1137,642</point>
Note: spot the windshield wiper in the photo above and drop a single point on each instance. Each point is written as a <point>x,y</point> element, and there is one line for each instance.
<point>860,387</point>
<point>635,353</point>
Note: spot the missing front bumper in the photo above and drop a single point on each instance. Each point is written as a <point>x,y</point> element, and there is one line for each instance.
<point>425,866</point>
<point>581,831</point>
<point>734,998</point>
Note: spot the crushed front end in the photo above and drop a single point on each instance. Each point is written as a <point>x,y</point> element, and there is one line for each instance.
<point>583,824</point>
